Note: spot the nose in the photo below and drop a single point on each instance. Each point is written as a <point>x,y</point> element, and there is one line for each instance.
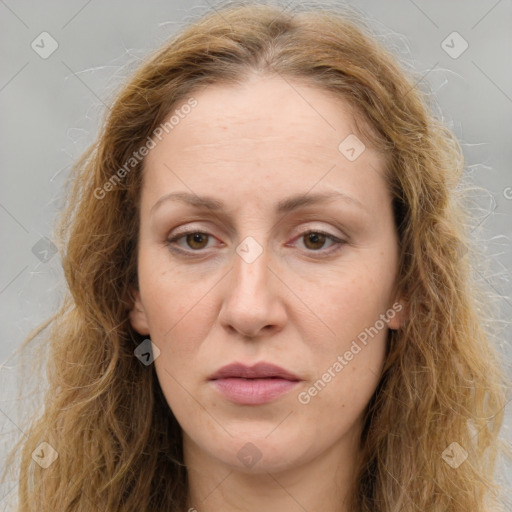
<point>252,304</point>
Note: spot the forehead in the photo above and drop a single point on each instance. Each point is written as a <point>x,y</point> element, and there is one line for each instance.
<point>268,132</point>
<point>266,109</point>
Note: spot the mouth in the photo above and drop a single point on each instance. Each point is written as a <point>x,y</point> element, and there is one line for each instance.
<point>253,385</point>
<point>258,371</point>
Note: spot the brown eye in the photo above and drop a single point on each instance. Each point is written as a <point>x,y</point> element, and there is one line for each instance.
<point>197,240</point>
<point>314,240</point>
<point>192,241</point>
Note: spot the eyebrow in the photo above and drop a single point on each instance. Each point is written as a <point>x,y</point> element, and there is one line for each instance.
<point>284,206</point>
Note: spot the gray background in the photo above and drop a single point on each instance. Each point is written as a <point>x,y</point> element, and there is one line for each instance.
<point>51,108</point>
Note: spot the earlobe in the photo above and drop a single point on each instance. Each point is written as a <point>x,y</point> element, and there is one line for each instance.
<point>138,319</point>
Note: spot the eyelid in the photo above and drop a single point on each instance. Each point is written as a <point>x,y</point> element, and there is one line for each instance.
<point>323,252</point>
<point>310,227</point>
<point>170,241</point>
<point>186,229</point>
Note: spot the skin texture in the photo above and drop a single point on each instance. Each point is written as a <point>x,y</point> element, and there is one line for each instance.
<point>299,304</point>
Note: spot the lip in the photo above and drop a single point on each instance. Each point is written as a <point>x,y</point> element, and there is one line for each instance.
<point>260,370</point>
<point>253,385</point>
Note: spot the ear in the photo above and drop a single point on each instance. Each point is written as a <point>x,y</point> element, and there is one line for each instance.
<point>400,307</point>
<point>138,318</point>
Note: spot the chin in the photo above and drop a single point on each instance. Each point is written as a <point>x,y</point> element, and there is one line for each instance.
<point>257,455</point>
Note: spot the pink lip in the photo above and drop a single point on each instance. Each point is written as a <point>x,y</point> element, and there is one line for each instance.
<point>253,385</point>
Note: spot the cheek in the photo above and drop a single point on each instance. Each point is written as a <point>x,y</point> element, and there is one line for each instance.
<point>350,354</point>
<point>353,303</point>
<point>173,301</point>
<point>334,401</point>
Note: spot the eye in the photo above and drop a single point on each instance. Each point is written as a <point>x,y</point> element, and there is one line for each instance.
<point>314,240</point>
<point>195,240</point>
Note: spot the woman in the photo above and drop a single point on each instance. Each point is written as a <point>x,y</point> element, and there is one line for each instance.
<point>270,303</point>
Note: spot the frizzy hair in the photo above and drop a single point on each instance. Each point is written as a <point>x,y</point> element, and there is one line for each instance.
<point>118,443</point>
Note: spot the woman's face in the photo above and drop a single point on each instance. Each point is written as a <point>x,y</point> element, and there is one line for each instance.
<point>292,264</point>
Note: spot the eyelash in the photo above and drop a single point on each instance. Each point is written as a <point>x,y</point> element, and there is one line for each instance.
<point>172,246</point>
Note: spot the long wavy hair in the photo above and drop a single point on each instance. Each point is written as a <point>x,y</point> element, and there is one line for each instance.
<point>119,446</point>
